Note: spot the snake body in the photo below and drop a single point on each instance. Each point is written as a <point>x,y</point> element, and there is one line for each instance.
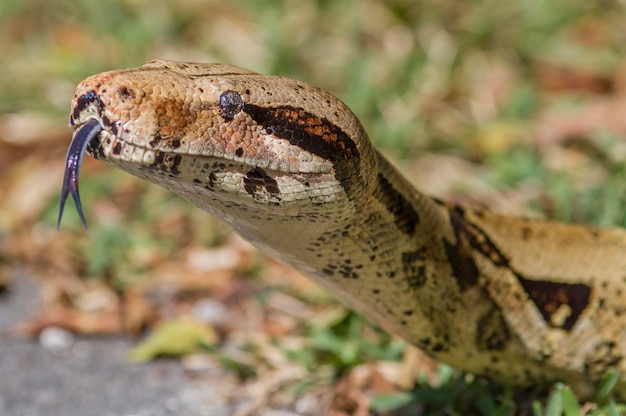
<point>291,168</point>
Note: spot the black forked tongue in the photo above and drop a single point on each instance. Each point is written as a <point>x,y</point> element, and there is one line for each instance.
<point>73,160</point>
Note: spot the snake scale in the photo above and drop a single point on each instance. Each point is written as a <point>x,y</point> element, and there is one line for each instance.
<point>290,167</point>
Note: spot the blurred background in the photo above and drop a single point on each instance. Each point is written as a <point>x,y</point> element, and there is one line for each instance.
<point>518,106</point>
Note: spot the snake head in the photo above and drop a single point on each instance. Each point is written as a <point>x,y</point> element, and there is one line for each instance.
<point>219,133</point>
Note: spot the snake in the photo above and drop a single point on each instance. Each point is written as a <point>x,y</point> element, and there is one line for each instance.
<point>289,166</point>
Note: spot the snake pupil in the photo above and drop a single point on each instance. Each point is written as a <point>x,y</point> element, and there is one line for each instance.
<point>231,103</point>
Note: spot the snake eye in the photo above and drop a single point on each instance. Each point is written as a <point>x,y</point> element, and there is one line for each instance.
<point>231,103</point>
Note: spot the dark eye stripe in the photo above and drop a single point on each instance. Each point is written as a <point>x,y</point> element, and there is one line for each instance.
<point>311,133</point>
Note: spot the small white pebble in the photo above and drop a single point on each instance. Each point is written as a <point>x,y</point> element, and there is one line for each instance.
<point>172,404</point>
<point>54,338</point>
<point>224,258</point>
<point>209,311</point>
<point>198,363</point>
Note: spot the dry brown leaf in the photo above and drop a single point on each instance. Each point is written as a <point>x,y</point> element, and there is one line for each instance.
<point>28,129</point>
<point>97,323</point>
<point>556,79</point>
<point>349,399</point>
<point>137,312</point>
<point>596,115</point>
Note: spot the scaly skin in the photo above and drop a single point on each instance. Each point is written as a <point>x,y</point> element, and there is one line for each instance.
<point>292,170</point>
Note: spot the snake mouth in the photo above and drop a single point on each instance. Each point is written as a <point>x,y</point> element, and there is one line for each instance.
<point>73,162</point>
<point>85,140</point>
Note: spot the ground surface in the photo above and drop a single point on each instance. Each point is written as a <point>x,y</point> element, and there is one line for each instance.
<point>92,375</point>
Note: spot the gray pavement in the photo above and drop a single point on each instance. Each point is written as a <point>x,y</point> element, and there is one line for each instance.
<point>92,376</point>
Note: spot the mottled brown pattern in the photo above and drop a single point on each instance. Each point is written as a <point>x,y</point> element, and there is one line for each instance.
<point>257,179</point>
<point>475,237</point>
<point>405,215</point>
<point>175,117</point>
<point>492,332</point>
<point>414,268</point>
<point>460,253</point>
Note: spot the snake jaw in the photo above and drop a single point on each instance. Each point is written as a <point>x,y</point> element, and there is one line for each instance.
<point>73,162</point>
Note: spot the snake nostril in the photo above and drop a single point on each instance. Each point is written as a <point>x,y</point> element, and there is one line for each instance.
<point>83,102</point>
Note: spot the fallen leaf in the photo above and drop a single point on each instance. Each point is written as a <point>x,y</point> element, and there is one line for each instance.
<point>174,338</point>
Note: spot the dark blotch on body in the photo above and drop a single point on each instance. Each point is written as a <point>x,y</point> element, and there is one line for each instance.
<point>405,216</point>
<point>117,148</point>
<point>459,254</point>
<point>606,355</point>
<point>167,162</point>
<point>468,238</point>
<point>549,297</point>
<point>492,332</point>
<point>257,179</point>
<point>95,150</point>
<point>175,164</point>
<point>155,141</point>
<point>414,268</point>
<point>477,237</point>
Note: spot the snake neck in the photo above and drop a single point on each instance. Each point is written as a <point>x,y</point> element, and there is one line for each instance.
<point>380,244</point>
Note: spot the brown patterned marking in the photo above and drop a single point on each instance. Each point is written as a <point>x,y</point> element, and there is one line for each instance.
<point>311,133</point>
<point>551,297</point>
<point>175,163</point>
<point>95,149</point>
<point>414,267</point>
<point>605,355</point>
<point>492,332</point>
<point>476,237</point>
<point>464,268</point>
<point>117,148</point>
<point>175,117</point>
<point>348,272</point>
<point>405,216</point>
<point>166,162</point>
<point>154,142</point>
<point>469,237</point>
<point>257,179</point>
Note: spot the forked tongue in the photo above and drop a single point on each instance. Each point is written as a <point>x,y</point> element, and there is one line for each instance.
<point>73,161</point>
